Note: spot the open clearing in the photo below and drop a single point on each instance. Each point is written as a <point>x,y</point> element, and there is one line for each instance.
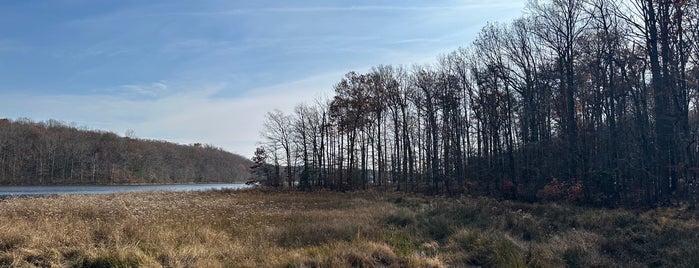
<point>259,228</point>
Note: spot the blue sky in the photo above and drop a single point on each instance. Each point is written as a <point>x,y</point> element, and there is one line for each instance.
<point>207,71</point>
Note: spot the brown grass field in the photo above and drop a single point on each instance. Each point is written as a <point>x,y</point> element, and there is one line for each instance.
<point>261,228</point>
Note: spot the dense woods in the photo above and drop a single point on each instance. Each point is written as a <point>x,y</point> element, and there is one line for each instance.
<point>589,101</point>
<point>52,152</point>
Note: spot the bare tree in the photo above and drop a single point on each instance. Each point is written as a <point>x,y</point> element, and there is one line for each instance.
<point>277,131</point>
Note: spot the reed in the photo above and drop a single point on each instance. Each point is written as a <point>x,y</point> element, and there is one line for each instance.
<point>262,228</point>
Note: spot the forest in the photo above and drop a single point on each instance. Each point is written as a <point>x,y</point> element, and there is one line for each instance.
<point>52,152</point>
<point>583,101</point>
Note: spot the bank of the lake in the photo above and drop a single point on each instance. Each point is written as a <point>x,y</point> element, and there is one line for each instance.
<point>25,190</point>
<point>260,228</point>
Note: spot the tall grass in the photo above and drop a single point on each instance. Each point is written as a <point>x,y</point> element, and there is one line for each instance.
<point>256,228</point>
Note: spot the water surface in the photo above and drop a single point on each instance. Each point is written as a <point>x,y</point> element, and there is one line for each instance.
<point>108,189</point>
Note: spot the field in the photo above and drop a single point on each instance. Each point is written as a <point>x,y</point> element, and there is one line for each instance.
<point>259,228</point>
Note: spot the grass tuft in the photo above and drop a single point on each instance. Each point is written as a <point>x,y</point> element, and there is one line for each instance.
<point>487,249</point>
<point>402,217</point>
<point>11,239</point>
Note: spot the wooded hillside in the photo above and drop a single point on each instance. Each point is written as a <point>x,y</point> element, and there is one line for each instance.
<point>52,152</point>
<point>590,101</point>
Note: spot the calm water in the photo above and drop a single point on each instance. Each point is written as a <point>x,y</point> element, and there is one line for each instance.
<point>108,189</point>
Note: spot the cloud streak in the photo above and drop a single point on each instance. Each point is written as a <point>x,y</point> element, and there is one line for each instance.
<point>352,8</point>
<point>208,72</point>
<point>185,117</point>
<point>148,89</point>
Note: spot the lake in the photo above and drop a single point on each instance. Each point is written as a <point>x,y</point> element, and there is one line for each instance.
<point>108,189</point>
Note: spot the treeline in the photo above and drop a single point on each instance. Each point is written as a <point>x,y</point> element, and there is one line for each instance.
<point>591,101</point>
<point>52,152</point>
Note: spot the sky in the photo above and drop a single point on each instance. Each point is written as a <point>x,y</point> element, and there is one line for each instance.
<point>207,71</point>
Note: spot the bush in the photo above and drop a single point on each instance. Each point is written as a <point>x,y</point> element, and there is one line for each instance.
<point>553,191</point>
<point>557,191</point>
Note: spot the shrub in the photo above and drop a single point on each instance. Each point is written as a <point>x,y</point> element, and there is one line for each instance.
<point>556,191</point>
<point>553,191</point>
<point>575,193</point>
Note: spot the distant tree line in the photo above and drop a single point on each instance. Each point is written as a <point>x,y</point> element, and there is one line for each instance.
<point>52,152</point>
<point>592,101</point>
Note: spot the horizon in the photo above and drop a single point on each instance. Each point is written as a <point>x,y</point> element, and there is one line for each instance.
<point>208,72</point>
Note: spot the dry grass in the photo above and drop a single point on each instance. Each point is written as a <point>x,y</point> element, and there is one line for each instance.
<point>199,229</point>
<point>326,229</point>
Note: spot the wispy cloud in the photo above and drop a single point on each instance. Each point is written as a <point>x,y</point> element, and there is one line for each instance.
<point>208,72</point>
<point>186,117</point>
<point>352,8</point>
<point>414,40</point>
<point>147,89</point>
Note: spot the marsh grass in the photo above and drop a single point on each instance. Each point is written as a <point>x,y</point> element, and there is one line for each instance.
<point>263,228</point>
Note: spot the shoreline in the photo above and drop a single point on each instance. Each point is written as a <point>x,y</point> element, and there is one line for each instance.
<point>119,184</point>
